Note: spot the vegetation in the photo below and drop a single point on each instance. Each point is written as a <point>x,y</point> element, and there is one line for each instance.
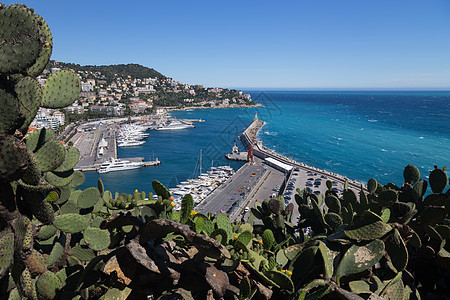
<point>112,71</point>
<point>57,242</point>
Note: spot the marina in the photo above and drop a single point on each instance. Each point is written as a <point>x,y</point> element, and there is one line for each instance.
<point>98,141</point>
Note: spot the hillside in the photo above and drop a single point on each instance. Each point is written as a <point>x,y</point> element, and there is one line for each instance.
<point>133,70</point>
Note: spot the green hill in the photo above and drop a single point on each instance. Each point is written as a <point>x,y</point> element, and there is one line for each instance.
<point>133,70</point>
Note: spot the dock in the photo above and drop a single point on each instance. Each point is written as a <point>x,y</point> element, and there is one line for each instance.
<point>242,156</point>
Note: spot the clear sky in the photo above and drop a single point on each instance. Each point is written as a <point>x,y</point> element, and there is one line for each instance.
<point>261,44</point>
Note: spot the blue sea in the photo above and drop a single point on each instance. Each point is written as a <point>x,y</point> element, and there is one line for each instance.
<point>357,134</point>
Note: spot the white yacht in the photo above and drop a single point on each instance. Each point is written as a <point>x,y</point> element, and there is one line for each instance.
<point>175,125</point>
<point>118,165</point>
<point>129,143</point>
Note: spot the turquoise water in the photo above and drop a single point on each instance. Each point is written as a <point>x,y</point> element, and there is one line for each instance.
<point>356,134</point>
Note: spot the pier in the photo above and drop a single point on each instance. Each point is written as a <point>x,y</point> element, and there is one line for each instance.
<point>97,143</point>
<point>270,175</point>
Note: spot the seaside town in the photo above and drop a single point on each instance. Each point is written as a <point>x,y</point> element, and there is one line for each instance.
<point>128,92</point>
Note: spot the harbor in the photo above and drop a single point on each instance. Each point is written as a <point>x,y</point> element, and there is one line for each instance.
<point>265,175</point>
<point>98,141</point>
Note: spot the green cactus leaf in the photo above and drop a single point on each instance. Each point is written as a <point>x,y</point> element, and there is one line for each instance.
<point>369,231</point>
<point>433,215</point>
<point>187,204</point>
<point>222,222</point>
<point>411,174</point>
<point>333,220</point>
<point>29,94</point>
<point>83,253</point>
<point>333,204</point>
<point>57,251</point>
<point>6,252</point>
<point>21,39</point>
<point>328,256</point>
<point>303,264</point>
<point>268,239</point>
<point>198,224</point>
<point>160,189</point>
<point>245,238</point>
<point>387,197</point>
<point>46,232</point>
<point>385,215</point>
<point>359,258</point>
<point>46,50</point>
<point>37,138</point>
<point>360,287</point>
<point>13,158</point>
<point>70,160</point>
<point>281,258</point>
<point>69,208</point>
<point>78,179</point>
<point>59,179</point>
<point>88,198</point>
<point>291,252</point>
<point>9,108</point>
<point>48,284</point>
<point>71,223</point>
<point>50,156</point>
<point>97,239</point>
<point>438,180</point>
<point>116,294</point>
<point>372,185</point>
<point>61,89</point>
<point>396,249</point>
<point>245,289</point>
<point>281,279</point>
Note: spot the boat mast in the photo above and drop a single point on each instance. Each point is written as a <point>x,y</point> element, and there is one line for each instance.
<point>200,162</point>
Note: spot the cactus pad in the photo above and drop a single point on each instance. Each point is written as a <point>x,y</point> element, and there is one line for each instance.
<point>187,204</point>
<point>6,252</point>
<point>411,174</point>
<point>20,38</point>
<point>37,138</point>
<point>48,284</point>
<point>46,50</point>
<point>360,258</point>
<point>61,89</point>
<point>60,179</point>
<point>70,159</point>
<point>396,249</point>
<point>160,189</point>
<point>78,179</point>
<point>46,232</point>
<point>57,250</point>
<point>83,253</point>
<point>370,231</point>
<point>50,156</point>
<point>222,222</point>
<point>71,223</point>
<point>13,158</point>
<point>372,185</point>
<point>88,198</point>
<point>9,108</point>
<point>438,180</point>
<point>333,220</point>
<point>333,204</point>
<point>281,279</point>
<point>29,94</point>
<point>97,239</point>
<point>268,239</point>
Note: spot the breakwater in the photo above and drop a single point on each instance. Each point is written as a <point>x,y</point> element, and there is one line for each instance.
<point>248,137</point>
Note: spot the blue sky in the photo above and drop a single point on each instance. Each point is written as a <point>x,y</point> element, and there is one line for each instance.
<point>261,44</point>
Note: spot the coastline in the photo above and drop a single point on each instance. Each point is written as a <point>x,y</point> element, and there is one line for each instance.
<point>169,108</point>
<point>250,134</point>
